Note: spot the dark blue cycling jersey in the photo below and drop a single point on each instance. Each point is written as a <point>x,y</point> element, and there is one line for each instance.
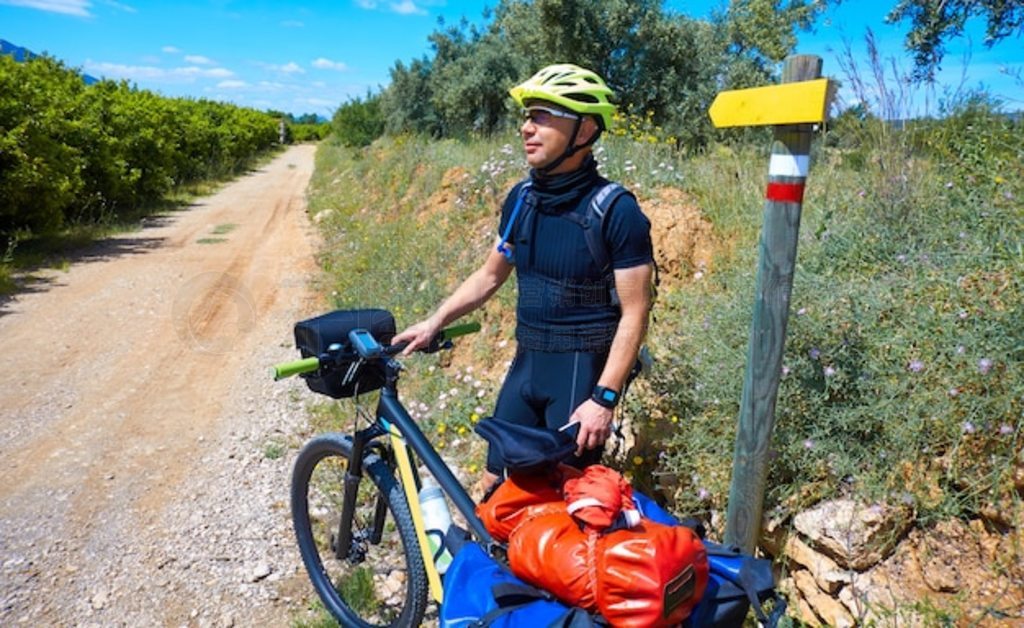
<point>564,301</point>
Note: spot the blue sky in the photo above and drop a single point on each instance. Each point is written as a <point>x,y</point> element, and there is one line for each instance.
<point>310,56</point>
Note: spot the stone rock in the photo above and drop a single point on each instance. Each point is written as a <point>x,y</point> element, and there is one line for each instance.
<point>830,610</point>
<point>856,535</point>
<point>261,571</point>
<point>99,599</point>
<point>774,535</point>
<point>827,574</point>
<point>798,607</point>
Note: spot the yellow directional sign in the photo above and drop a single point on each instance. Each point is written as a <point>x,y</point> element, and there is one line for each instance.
<point>803,102</point>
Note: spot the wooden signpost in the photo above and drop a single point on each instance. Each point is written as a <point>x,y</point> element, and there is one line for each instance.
<point>793,108</point>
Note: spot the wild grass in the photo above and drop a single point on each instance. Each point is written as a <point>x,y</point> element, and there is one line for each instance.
<point>902,372</point>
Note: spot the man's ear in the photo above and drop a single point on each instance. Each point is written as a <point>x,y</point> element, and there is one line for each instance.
<point>588,128</point>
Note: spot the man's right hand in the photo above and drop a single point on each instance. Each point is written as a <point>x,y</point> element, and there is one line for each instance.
<point>418,336</point>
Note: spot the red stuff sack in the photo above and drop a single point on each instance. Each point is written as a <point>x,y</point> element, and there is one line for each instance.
<point>601,498</point>
<point>650,575</point>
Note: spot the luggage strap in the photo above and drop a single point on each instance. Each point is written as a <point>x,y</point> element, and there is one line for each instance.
<point>512,596</point>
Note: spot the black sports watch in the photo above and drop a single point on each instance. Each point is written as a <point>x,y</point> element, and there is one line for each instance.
<point>606,397</point>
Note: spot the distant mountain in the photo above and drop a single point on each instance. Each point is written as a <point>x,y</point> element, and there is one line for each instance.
<point>24,54</point>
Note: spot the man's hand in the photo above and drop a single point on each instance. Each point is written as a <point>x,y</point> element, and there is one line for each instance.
<point>418,336</point>
<point>595,425</point>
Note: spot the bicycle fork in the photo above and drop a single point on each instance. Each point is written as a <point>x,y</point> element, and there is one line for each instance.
<point>343,547</point>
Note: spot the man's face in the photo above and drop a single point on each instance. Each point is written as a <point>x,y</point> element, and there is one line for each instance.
<point>547,130</point>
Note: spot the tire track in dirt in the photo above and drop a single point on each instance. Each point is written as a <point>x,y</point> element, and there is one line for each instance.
<point>120,397</point>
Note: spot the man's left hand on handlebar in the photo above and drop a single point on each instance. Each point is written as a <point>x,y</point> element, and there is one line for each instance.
<point>419,336</point>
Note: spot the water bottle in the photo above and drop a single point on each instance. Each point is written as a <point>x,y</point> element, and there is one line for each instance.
<point>436,519</point>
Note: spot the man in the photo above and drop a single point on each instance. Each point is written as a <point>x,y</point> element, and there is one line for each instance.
<point>579,326</point>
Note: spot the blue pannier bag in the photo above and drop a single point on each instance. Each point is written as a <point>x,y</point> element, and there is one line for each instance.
<point>480,591</point>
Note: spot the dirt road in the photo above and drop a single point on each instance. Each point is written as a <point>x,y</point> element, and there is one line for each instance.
<point>143,457</point>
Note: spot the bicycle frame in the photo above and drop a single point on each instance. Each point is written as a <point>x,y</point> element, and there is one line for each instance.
<point>393,420</point>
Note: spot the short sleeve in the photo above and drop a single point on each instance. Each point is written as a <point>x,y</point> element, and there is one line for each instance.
<point>628,234</point>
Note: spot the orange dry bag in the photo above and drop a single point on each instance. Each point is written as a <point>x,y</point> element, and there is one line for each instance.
<point>649,574</point>
<point>507,506</point>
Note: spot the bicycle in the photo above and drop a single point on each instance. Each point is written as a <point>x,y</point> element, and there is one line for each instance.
<point>365,573</point>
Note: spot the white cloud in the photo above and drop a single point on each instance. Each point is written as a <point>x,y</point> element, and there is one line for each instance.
<point>292,24</point>
<point>319,84</point>
<point>289,68</point>
<point>198,59</point>
<point>407,7</point>
<point>119,6</point>
<point>171,50</point>
<point>315,102</point>
<point>67,7</point>
<point>232,84</point>
<point>327,64</point>
<point>137,72</point>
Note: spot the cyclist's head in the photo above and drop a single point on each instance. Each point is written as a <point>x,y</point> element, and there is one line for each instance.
<point>569,89</point>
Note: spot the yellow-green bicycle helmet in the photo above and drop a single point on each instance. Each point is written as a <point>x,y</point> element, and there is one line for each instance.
<point>575,88</point>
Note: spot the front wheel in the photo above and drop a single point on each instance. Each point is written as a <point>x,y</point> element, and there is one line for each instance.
<point>381,580</point>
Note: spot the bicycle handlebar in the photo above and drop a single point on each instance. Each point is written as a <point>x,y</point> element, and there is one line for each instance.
<point>312,363</point>
<point>287,369</point>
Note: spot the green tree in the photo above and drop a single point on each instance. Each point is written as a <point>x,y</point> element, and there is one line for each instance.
<point>934,23</point>
<point>407,104</point>
<point>471,74</point>
<point>359,121</point>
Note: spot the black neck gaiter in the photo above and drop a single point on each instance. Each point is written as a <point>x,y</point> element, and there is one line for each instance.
<point>556,191</point>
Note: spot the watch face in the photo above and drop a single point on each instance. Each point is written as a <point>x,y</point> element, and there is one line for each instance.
<point>608,395</point>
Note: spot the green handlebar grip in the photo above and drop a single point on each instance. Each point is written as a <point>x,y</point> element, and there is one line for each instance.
<point>460,330</point>
<point>287,369</point>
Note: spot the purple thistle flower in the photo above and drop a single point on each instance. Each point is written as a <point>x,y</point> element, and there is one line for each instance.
<point>1005,429</point>
<point>703,494</point>
<point>968,427</point>
<point>829,371</point>
<point>785,370</point>
<point>984,365</point>
<point>814,353</point>
<point>808,444</point>
<point>915,366</point>
<point>953,392</point>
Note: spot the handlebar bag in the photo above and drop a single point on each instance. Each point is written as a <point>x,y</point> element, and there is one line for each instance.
<point>313,336</point>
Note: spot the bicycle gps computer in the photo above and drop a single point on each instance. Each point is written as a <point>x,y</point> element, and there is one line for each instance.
<point>365,344</point>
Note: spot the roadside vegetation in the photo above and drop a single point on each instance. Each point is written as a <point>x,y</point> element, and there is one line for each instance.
<point>902,375</point>
<point>79,161</point>
<point>902,379</point>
